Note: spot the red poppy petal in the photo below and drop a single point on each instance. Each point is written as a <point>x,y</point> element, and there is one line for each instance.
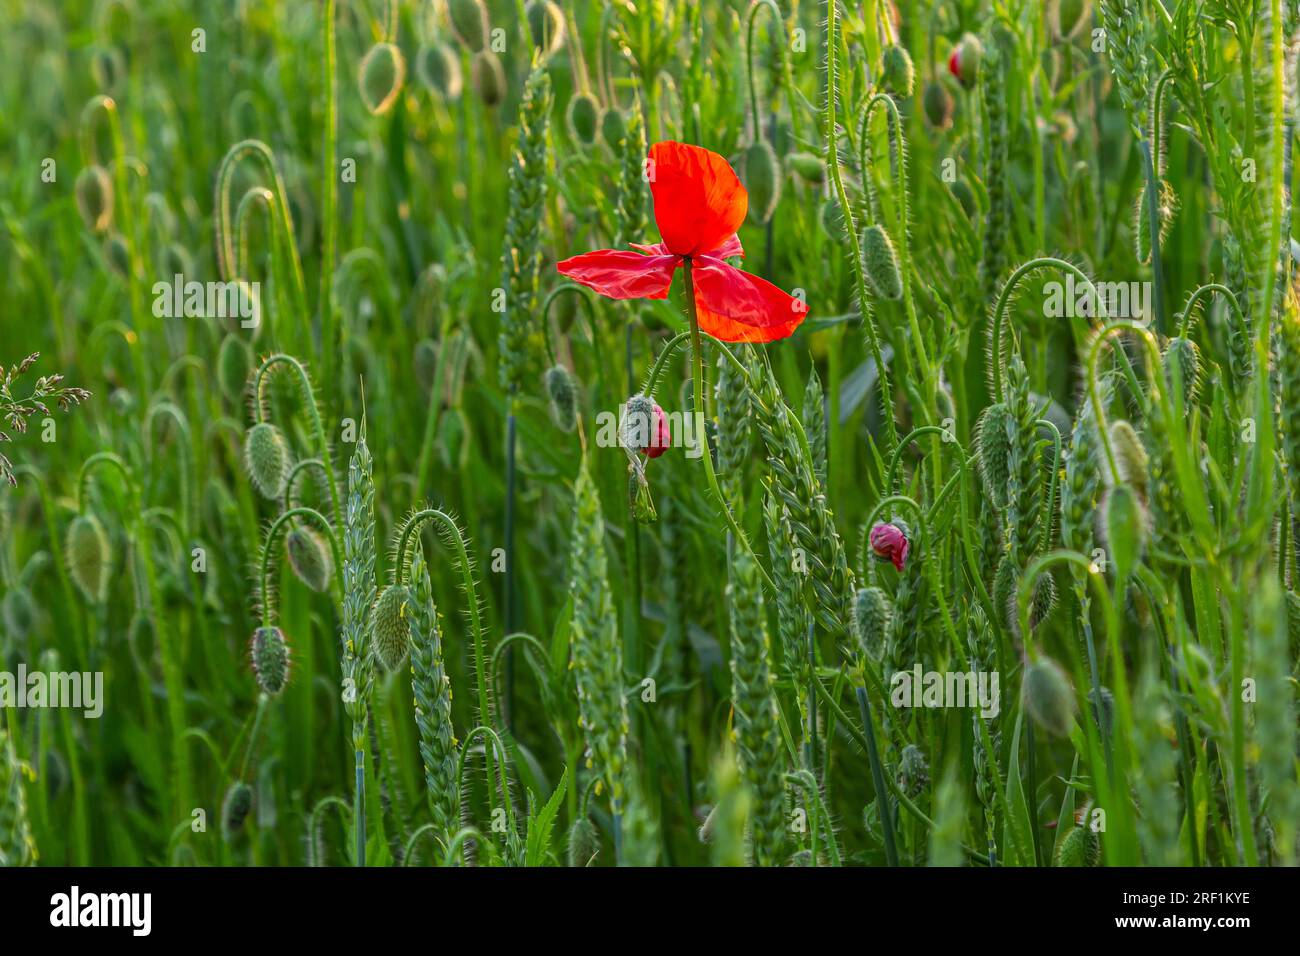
<point>699,200</point>
<point>731,247</point>
<point>736,306</point>
<point>621,274</point>
<point>654,249</point>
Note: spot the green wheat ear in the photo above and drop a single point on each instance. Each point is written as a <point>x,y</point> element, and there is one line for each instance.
<point>391,626</point>
<point>431,689</point>
<point>89,557</point>
<point>268,651</point>
<point>380,77</point>
<point>310,558</point>
<point>17,846</point>
<point>880,263</point>
<point>469,21</point>
<point>756,721</point>
<point>267,458</point>
<point>763,180</point>
<point>94,192</point>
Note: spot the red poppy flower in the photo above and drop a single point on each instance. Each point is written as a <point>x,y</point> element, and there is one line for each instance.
<point>699,203</point>
<point>889,543</point>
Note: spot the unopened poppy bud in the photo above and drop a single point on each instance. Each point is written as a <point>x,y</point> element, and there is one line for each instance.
<point>880,263</point>
<point>266,455</point>
<point>310,558</point>
<point>938,105</point>
<point>469,21</point>
<point>89,557</point>
<point>1130,455</point>
<point>582,118</point>
<point>235,807</point>
<point>1188,356</point>
<point>889,543</point>
<point>763,179</point>
<point>645,427</point>
<point>489,78</point>
<point>234,362</point>
<point>268,651</point>
<point>807,167</point>
<point>613,129</point>
<point>896,71</point>
<point>993,450</point>
<point>563,395</point>
<point>1124,520</point>
<point>438,68</point>
<point>545,25</point>
<point>964,63</point>
<point>872,614</point>
<point>1049,698</point>
<point>380,77</point>
<point>392,625</point>
<point>94,192</point>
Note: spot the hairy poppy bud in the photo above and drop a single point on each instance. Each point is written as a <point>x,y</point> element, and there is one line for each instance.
<point>613,130</point>
<point>563,393</point>
<point>94,192</point>
<point>1081,847</point>
<point>889,543</point>
<point>1188,356</point>
<point>118,255</point>
<point>438,68</point>
<point>880,263</point>
<point>993,449</point>
<point>469,21</point>
<point>88,557</point>
<point>392,625</point>
<point>582,118</point>
<point>1124,520</point>
<point>1130,455</point>
<point>266,455</point>
<point>380,77</point>
<point>269,653</point>
<point>964,63</point>
<point>234,362</point>
<point>896,71</point>
<point>645,427</point>
<point>913,770</point>
<point>807,167</point>
<point>938,105</point>
<point>18,612</point>
<point>310,558</point>
<point>1049,698</point>
<point>873,613</point>
<point>584,842</point>
<point>545,25</point>
<point>236,807</point>
<point>763,180</point>
<point>489,78</point>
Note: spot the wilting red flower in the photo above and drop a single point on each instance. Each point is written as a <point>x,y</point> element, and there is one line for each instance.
<point>699,203</point>
<point>889,543</point>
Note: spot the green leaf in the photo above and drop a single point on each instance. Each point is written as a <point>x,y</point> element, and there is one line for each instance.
<point>542,823</point>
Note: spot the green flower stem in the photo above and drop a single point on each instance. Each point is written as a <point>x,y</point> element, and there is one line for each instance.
<point>697,376</point>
